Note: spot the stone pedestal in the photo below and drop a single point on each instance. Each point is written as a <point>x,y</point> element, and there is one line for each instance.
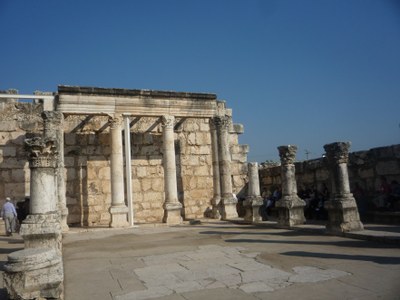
<point>119,216</point>
<point>342,207</point>
<point>290,206</point>
<point>118,209</point>
<point>172,206</point>
<point>35,273</point>
<point>228,199</point>
<point>253,200</point>
<point>42,231</point>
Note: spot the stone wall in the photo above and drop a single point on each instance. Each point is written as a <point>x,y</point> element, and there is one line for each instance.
<point>365,168</point>
<point>17,121</point>
<point>87,163</point>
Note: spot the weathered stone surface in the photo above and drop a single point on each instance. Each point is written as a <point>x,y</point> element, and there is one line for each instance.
<point>34,274</point>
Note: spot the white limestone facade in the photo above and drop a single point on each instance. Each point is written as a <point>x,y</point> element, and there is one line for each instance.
<point>92,184</point>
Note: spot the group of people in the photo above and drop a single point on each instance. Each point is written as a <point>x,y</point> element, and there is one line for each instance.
<point>313,198</point>
<point>315,202</point>
<point>388,197</point>
<point>13,216</point>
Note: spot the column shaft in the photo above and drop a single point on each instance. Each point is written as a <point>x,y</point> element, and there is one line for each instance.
<point>216,173</point>
<point>118,208</point>
<point>228,199</point>
<point>290,206</point>
<point>253,200</point>
<point>172,206</point>
<point>53,128</point>
<point>342,208</point>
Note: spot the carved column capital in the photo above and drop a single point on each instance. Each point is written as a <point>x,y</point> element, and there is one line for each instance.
<point>287,154</point>
<point>168,121</point>
<point>42,152</point>
<point>222,122</point>
<point>54,117</point>
<point>338,152</point>
<point>115,122</point>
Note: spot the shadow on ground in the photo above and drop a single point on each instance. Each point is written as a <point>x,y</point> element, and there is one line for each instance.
<point>383,260</point>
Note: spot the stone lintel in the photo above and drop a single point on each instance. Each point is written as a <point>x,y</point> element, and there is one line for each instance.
<point>92,100</point>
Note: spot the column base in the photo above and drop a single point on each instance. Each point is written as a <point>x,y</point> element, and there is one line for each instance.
<point>343,215</point>
<point>34,274</point>
<point>172,213</point>
<point>228,206</point>
<point>42,230</point>
<point>252,205</point>
<point>291,211</point>
<point>216,204</point>
<point>119,216</point>
<point>64,216</point>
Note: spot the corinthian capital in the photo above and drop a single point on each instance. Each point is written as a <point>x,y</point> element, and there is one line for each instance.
<point>337,152</point>
<point>42,152</point>
<point>168,121</point>
<point>287,154</point>
<point>223,122</point>
<point>53,117</point>
<point>115,122</point>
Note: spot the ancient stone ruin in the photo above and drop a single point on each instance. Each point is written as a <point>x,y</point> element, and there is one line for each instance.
<point>115,157</point>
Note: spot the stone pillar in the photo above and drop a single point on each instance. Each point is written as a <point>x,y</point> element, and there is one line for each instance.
<point>37,271</point>
<point>228,199</point>
<point>42,226</point>
<point>53,128</point>
<point>172,206</point>
<point>342,208</point>
<point>215,202</point>
<point>118,209</point>
<point>290,206</point>
<point>253,200</point>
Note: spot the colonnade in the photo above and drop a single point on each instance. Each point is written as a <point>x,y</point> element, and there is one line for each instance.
<point>224,200</point>
<point>342,209</point>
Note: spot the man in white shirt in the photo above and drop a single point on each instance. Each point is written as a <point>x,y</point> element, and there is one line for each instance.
<point>9,215</point>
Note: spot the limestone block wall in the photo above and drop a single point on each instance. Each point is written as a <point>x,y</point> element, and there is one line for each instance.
<point>87,163</point>
<point>17,121</point>
<point>86,160</point>
<point>365,168</point>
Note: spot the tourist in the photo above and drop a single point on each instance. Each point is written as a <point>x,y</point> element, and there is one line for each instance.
<point>9,214</point>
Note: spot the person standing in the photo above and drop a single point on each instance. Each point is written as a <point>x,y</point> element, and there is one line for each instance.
<point>9,215</point>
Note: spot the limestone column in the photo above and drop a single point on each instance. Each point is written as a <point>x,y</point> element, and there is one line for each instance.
<point>53,128</point>
<point>253,200</point>
<point>342,207</point>
<point>290,206</point>
<point>118,209</point>
<point>42,226</point>
<point>36,272</point>
<point>228,199</point>
<point>172,206</point>
<point>215,202</point>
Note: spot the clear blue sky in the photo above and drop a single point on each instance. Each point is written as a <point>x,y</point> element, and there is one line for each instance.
<point>303,72</point>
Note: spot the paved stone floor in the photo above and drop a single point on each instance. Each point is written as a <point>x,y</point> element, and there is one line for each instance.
<point>220,260</point>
